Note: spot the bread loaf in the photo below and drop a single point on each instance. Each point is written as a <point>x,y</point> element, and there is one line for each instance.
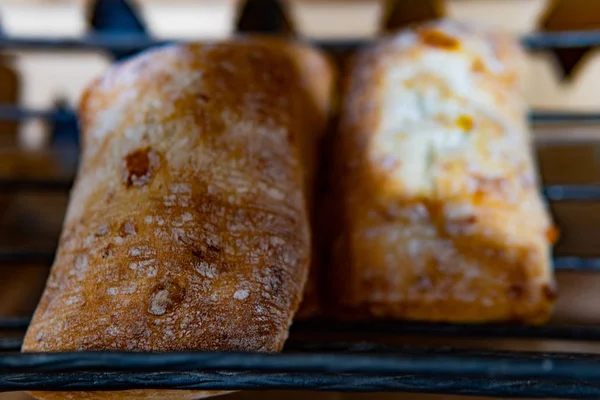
<point>187,227</point>
<point>440,217</point>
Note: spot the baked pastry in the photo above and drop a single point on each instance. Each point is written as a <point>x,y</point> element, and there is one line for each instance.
<point>317,75</point>
<point>440,216</point>
<point>187,227</point>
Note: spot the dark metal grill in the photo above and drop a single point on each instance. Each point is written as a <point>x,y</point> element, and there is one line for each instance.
<point>133,42</point>
<point>360,367</point>
<point>355,369</point>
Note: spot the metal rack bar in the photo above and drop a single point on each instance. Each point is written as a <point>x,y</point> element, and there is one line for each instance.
<point>16,113</point>
<point>571,39</point>
<point>14,323</point>
<point>385,360</point>
<point>457,371</point>
<point>121,42</point>
<point>576,264</point>
<point>128,42</point>
<point>10,344</point>
<point>547,117</point>
<point>572,192</point>
<point>530,388</point>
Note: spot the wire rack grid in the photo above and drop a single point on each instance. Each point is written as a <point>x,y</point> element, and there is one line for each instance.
<point>333,366</point>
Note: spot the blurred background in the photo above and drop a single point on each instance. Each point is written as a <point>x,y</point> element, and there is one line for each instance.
<point>48,82</point>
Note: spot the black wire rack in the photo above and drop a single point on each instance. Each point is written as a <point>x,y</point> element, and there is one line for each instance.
<point>303,365</point>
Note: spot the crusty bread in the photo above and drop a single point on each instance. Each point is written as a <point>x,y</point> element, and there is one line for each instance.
<point>317,76</point>
<point>440,214</point>
<point>187,227</point>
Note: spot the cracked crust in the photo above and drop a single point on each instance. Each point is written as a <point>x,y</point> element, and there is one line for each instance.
<point>441,217</point>
<point>187,227</point>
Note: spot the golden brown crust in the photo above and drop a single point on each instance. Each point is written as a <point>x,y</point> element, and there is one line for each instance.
<point>440,216</point>
<point>316,74</point>
<point>187,227</point>
<point>317,77</point>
